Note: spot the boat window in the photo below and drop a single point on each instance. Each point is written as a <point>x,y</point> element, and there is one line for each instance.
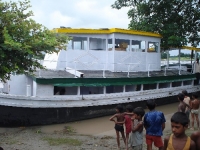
<point>138,46</point>
<point>176,84</point>
<point>164,85</point>
<point>71,90</point>
<point>59,90</point>
<point>188,82</point>
<point>152,47</point>
<point>110,44</point>
<point>130,88</point>
<point>149,86</point>
<point>97,44</point>
<point>121,45</point>
<point>78,43</point>
<point>114,89</point>
<point>91,90</point>
<point>138,88</point>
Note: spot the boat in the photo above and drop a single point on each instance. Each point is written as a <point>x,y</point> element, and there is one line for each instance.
<point>100,69</point>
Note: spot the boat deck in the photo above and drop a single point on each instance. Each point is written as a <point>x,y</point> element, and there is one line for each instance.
<point>107,74</point>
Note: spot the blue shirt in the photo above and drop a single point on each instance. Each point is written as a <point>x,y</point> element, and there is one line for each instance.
<point>153,121</point>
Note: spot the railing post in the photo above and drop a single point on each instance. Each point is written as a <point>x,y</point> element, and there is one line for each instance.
<point>104,71</point>
<point>165,71</point>
<point>148,70</point>
<point>75,70</point>
<point>128,71</point>
<point>179,69</point>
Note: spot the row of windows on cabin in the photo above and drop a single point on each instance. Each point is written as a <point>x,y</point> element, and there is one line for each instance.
<point>117,89</point>
<point>81,43</point>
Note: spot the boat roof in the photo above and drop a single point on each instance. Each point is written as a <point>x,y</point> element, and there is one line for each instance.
<point>104,31</point>
<point>69,30</point>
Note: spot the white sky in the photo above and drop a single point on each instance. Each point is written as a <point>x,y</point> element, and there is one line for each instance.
<point>78,14</point>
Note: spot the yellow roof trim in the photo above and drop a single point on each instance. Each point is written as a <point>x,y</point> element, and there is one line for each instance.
<point>105,31</point>
<point>191,48</point>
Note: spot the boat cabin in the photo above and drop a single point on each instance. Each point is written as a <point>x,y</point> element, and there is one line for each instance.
<point>117,50</point>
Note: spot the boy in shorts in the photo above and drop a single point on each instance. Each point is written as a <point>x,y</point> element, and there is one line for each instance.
<point>119,118</point>
<point>154,123</point>
<point>187,102</point>
<point>128,122</point>
<point>195,110</point>
<point>182,106</point>
<point>178,139</point>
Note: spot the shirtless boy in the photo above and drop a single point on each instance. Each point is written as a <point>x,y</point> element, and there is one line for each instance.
<point>128,122</point>
<point>178,140</point>
<point>182,105</point>
<point>187,101</point>
<point>118,118</point>
<point>195,110</point>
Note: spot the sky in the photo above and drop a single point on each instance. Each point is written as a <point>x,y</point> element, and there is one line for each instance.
<point>80,14</point>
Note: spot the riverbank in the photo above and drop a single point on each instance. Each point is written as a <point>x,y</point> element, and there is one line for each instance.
<point>92,134</point>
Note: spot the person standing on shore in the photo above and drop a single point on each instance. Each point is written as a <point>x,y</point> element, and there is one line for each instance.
<point>187,102</point>
<point>178,140</point>
<point>154,123</point>
<point>128,115</point>
<point>195,110</point>
<point>136,137</point>
<point>118,118</point>
<point>182,105</point>
<point>128,122</point>
<point>197,71</point>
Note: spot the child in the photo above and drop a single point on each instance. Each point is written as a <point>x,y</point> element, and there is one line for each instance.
<point>196,138</point>
<point>182,105</point>
<point>136,138</point>
<point>187,102</point>
<point>128,122</point>
<point>119,123</point>
<point>154,123</point>
<point>195,110</point>
<point>179,140</point>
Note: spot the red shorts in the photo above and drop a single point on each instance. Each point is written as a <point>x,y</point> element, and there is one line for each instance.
<point>157,140</point>
<point>128,129</point>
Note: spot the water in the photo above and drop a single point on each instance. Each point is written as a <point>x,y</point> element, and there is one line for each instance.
<point>102,126</point>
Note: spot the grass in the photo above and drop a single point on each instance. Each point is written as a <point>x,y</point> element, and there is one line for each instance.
<point>60,141</point>
<point>68,129</point>
<point>181,58</point>
<point>10,141</point>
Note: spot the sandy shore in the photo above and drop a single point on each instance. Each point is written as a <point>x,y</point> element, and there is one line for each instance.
<point>93,134</point>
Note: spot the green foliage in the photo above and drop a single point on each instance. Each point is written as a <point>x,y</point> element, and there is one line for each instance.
<point>164,55</point>
<point>178,21</point>
<point>22,40</point>
<point>185,55</point>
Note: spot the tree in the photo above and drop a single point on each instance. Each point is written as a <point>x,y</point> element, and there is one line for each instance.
<point>164,55</point>
<point>178,21</point>
<point>22,40</point>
